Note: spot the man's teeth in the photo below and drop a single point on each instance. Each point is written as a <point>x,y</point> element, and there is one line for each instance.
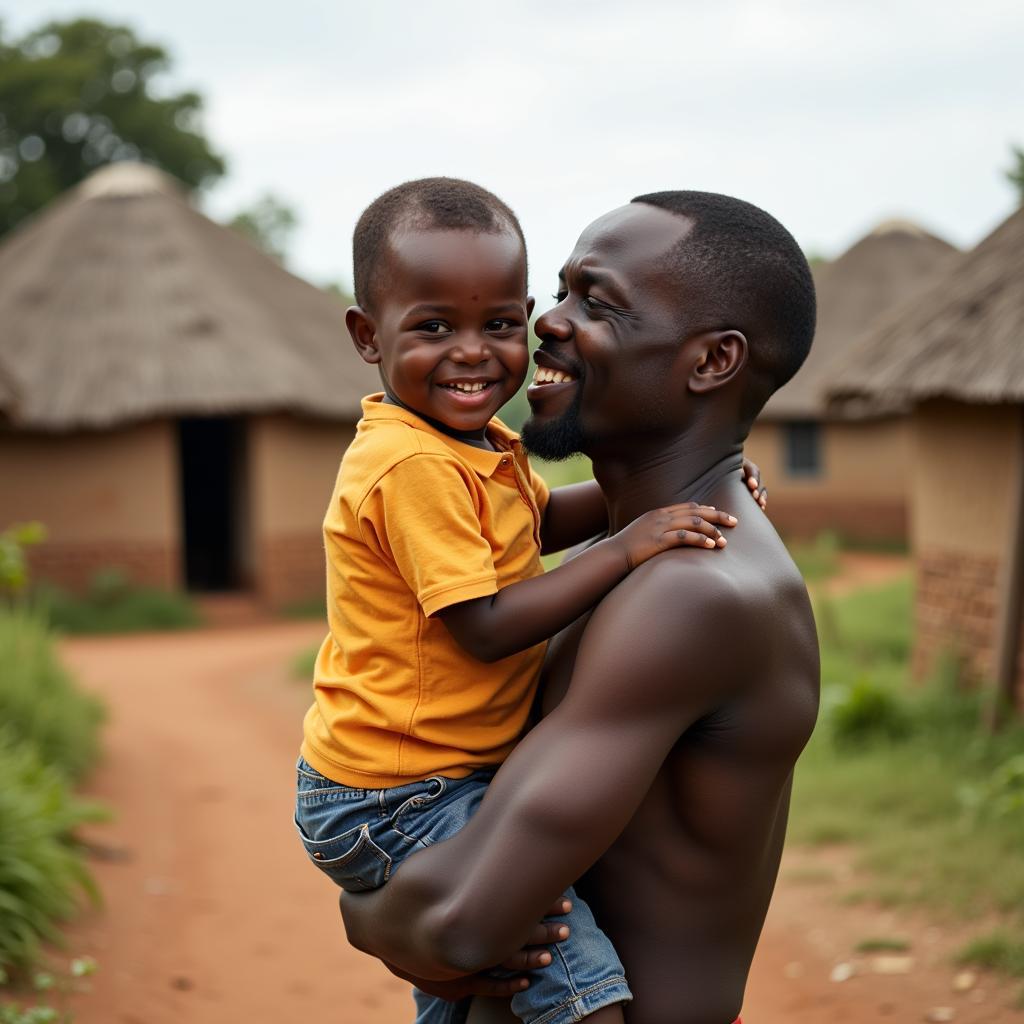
<point>468,389</point>
<point>542,375</point>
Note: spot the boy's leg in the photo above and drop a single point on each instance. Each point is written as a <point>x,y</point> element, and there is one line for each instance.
<point>584,981</point>
<point>432,1010</point>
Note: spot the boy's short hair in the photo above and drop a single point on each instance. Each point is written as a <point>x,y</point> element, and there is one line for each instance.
<point>753,277</point>
<point>445,203</point>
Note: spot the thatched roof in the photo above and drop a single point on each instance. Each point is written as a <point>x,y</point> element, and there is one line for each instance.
<point>121,302</point>
<point>884,269</point>
<point>963,338</point>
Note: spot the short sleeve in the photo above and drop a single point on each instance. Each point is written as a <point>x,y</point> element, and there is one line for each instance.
<point>424,518</point>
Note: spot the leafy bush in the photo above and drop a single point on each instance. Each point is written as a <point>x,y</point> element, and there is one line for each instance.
<point>38,702</point>
<point>114,605</point>
<point>42,873</point>
<point>868,712</point>
<point>1000,795</point>
<point>13,563</point>
<point>304,662</point>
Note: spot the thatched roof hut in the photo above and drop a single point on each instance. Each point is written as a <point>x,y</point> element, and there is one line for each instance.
<point>956,357</point>
<point>962,338</point>
<point>121,302</point>
<point>885,269</point>
<point>828,470</point>
<point>173,402</point>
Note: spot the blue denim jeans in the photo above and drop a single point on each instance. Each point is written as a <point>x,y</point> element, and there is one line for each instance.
<point>358,837</point>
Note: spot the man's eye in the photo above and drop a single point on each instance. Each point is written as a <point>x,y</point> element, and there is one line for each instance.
<point>589,302</point>
<point>560,296</point>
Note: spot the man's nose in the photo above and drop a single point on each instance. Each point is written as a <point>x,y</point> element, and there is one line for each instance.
<point>553,325</point>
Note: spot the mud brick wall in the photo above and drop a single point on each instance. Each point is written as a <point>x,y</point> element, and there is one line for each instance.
<point>292,569</point>
<point>803,517</point>
<point>73,565</point>
<point>956,612</point>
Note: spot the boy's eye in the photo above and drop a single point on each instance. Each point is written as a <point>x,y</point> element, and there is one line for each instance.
<point>501,324</point>
<point>433,327</point>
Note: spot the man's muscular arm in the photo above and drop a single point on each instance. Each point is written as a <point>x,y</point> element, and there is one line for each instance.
<point>650,664</point>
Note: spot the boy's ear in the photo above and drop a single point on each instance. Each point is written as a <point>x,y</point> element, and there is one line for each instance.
<point>721,355</point>
<point>363,332</point>
<point>530,303</point>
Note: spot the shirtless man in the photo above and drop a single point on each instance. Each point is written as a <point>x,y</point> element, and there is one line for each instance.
<point>674,712</point>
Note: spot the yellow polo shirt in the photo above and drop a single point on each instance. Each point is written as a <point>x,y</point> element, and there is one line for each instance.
<point>419,521</point>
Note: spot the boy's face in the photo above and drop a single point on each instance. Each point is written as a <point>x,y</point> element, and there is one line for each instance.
<point>449,330</point>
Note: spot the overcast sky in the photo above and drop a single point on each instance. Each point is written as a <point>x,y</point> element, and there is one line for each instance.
<point>831,116</point>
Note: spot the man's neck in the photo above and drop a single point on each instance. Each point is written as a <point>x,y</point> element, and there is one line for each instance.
<point>642,477</point>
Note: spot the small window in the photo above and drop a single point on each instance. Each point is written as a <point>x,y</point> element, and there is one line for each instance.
<point>803,449</point>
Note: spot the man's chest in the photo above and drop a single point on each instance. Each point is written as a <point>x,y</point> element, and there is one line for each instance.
<point>559,663</point>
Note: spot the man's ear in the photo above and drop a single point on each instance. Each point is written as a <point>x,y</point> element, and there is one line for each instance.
<point>363,332</point>
<point>721,356</point>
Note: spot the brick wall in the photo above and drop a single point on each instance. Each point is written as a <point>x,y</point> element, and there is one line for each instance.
<point>73,565</point>
<point>805,516</point>
<point>291,569</point>
<point>955,611</point>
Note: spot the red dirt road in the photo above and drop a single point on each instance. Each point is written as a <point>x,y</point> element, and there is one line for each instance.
<point>212,913</point>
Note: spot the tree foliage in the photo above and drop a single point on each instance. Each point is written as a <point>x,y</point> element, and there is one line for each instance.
<point>78,94</point>
<point>269,223</point>
<point>1015,175</point>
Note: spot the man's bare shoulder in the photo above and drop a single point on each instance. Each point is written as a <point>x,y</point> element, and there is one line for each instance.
<point>716,616</point>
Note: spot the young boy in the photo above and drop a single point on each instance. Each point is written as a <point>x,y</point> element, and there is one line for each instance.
<point>437,602</point>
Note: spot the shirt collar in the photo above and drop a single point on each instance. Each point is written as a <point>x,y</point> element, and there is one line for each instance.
<point>483,462</point>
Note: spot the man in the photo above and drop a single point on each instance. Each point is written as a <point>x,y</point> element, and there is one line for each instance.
<point>675,711</point>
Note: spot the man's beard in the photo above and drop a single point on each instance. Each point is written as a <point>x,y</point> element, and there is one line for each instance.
<point>557,439</point>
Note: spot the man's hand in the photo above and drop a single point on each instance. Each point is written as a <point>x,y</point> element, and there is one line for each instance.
<point>531,957</point>
<point>752,478</point>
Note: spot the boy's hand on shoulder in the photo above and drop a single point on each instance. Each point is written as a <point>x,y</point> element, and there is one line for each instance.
<point>752,478</point>
<point>684,525</point>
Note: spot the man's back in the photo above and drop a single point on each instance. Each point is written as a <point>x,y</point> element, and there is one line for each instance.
<point>684,890</point>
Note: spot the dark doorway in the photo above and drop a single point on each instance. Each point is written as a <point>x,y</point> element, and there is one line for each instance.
<point>213,494</point>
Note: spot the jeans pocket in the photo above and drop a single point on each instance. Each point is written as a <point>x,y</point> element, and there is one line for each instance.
<point>408,809</point>
<point>352,860</point>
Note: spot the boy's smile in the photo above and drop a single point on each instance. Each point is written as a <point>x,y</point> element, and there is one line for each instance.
<point>449,331</point>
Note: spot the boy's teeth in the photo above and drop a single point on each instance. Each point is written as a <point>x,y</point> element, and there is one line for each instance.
<point>468,388</point>
<point>543,375</point>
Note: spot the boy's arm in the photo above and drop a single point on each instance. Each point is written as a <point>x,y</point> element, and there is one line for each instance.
<point>577,512</point>
<point>528,612</point>
<point>569,788</point>
<point>574,513</point>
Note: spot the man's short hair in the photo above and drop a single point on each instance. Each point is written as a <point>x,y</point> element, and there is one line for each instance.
<point>444,203</point>
<point>752,276</point>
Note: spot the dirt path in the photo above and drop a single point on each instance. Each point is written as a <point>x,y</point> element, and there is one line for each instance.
<point>213,915</point>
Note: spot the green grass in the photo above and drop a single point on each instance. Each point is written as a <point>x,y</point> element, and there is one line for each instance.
<point>38,702</point>
<point>996,951</point>
<point>932,804</point>
<point>311,608</point>
<point>114,605</point>
<point>42,873</point>
<point>818,559</point>
<point>882,945</point>
<point>48,739</point>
